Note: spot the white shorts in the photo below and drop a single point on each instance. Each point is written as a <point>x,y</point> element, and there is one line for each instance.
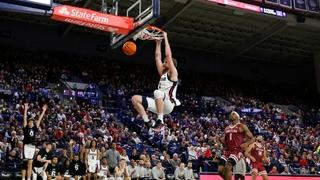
<point>29,151</point>
<point>103,175</point>
<point>150,105</point>
<point>92,167</point>
<point>38,171</point>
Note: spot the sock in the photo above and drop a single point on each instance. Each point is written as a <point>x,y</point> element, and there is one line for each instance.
<point>145,118</point>
<point>29,178</point>
<point>23,178</point>
<point>160,117</point>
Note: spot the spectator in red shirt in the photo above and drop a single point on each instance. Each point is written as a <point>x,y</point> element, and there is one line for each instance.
<point>303,161</point>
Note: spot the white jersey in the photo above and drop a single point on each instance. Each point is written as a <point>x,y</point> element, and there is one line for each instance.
<point>169,87</point>
<point>104,171</point>
<point>92,156</point>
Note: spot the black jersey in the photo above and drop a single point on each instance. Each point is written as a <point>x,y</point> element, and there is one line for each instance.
<point>77,168</point>
<point>29,135</point>
<point>53,170</point>
<point>44,155</point>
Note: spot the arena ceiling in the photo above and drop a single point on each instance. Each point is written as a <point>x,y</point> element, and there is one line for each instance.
<point>224,31</point>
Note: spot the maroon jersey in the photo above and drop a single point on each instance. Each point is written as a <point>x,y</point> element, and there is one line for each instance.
<point>257,152</point>
<point>233,137</point>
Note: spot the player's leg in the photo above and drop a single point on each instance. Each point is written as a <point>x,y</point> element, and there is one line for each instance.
<point>232,161</point>
<point>24,169</point>
<point>29,171</point>
<point>263,173</point>
<point>89,174</point>
<point>254,174</point>
<point>265,177</point>
<point>140,104</point>
<point>159,97</point>
<point>221,166</point>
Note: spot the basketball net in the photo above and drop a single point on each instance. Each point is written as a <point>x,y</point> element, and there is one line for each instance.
<point>149,33</point>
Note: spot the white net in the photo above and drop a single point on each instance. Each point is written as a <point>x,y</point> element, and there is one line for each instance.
<point>149,33</point>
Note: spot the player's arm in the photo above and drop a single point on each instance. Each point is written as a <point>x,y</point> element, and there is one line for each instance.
<point>25,111</point>
<point>249,135</point>
<point>168,53</point>
<point>44,109</point>
<point>248,152</point>
<point>265,156</point>
<point>158,57</point>
<point>86,158</point>
<point>222,139</point>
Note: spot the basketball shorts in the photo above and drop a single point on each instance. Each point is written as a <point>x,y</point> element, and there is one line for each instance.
<point>103,175</point>
<point>258,167</point>
<point>232,157</point>
<point>29,151</point>
<point>150,104</point>
<point>92,167</point>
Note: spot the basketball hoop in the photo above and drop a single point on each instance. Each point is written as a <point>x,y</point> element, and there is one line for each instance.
<point>149,33</point>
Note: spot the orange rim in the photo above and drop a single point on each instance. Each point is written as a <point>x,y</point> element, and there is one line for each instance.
<point>150,27</point>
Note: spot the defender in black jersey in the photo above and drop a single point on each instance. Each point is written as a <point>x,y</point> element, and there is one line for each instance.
<point>30,128</point>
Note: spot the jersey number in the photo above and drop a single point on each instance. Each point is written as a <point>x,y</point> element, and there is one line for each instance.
<point>31,133</point>
<point>230,136</point>
<point>76,167</point>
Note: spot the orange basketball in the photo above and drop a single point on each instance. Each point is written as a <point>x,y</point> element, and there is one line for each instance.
<point>129,48</point>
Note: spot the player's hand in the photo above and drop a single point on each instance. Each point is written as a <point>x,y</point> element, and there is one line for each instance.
<point>165,34</point>
<point>253,159</point>
<point>44,107</point>
<point>26,106</point>
<point>158,41</point>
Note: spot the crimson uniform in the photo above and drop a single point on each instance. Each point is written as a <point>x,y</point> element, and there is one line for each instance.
<point>258,153</point>
<point>233,140</point>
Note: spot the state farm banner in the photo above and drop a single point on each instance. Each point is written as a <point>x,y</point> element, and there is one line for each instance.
<point>93,19</point>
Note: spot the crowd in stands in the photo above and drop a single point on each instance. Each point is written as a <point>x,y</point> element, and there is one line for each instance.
<point>189,143</point>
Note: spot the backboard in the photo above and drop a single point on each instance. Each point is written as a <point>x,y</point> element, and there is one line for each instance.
<point>144,12</point>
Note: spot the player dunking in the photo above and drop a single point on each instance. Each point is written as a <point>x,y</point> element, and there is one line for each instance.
<point>165,96</point>
<point>258,155</point>
<point>29,131</point>
<point>234,145</point>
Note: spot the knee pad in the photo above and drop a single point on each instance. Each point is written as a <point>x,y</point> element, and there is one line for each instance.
<point>157,94</point>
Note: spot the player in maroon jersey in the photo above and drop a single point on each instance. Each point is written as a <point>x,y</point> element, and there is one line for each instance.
<point>258,155</point>
<point>234,143</point>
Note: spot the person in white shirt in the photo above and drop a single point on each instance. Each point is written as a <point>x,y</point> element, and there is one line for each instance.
<point>147,170</point>
<point>179,173</point>
<point>133,171</point>
<point>158,172</point>
<point>135,138</point>
<point>189,175</point>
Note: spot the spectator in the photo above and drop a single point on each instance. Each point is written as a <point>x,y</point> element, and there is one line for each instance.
<point>158,172</point>
<point>240,170</point>
<point>113,158</point>
<point>189,174</point>
<point>286,171</point>
<point>175,161</point>
<point>132,169</point>
<point>180,173</point>
<point>121,171</point>
<point>274,171</point>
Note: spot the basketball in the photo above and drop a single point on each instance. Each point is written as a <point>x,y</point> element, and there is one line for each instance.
<point>129,48</point>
